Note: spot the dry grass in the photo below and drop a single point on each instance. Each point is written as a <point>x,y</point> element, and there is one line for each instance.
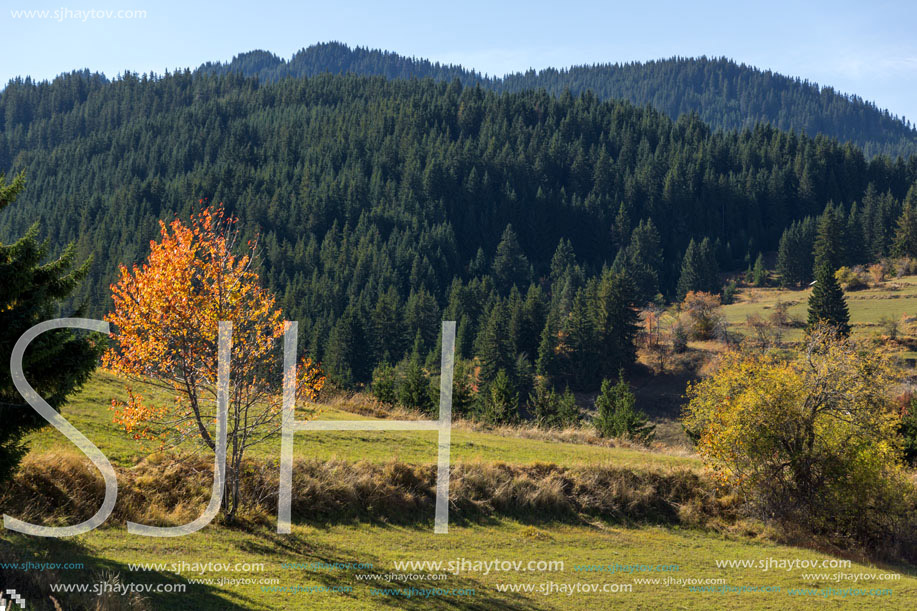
<point>171,490</point>
<point>364,404</point>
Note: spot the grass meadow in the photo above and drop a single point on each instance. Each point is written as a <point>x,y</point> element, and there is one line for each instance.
<point>576,538</point>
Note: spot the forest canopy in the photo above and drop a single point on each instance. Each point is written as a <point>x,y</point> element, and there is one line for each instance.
<point>381,207</point>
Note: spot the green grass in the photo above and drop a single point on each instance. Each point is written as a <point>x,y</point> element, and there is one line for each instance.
<point>695,553</point>
<point>109,550</point>
<point>895,298</point>
<point>89,412</point>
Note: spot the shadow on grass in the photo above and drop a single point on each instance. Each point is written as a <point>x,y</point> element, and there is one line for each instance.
<point>375,584</point>
<point>96,576</point>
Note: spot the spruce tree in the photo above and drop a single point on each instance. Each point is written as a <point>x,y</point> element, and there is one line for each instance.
<point>568,412</point>
<point>563,261</point>
<point>511,267</point>
<point>542,404</point>
<point>387,326</point>
<point>905,244</point>
<point>616,321</point>
<point>616,414</point>
<point>500,400</point>
<point>384,383</point>
<point>699,269</point>
<point>854,237</point>
<point>57,362</point>
<point>413,389</point>
<point>620,231</point>
<point>710,267</point>
<point>583,342</point>
<point>829,238</point>
<point>550,358</point>
<point>827,302</point>
<point>692,273</point>
<point>759,272</point>
<point>642,260</point>
<point>494,345</point>
<point>795,253</point>
<point>346,357</point>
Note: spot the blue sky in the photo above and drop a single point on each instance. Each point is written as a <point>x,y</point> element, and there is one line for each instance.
<point>869,49</point>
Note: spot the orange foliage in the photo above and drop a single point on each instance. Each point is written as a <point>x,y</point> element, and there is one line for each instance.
<point>166,313</point>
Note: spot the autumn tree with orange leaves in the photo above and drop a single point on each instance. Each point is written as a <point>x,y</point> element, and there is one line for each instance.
<point>166,314</point>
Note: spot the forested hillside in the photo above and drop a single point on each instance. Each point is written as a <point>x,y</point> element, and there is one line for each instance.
<point>384,206</point>
<point>723,93</point>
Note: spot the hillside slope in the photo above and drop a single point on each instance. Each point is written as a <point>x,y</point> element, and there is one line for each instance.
<point>724,93</point>
<point>384,205</point>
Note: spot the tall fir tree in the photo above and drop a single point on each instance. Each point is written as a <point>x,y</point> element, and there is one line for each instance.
<point>759,272</point>
<point>642,260</point>
<point>827,303</point>
<point>562,263</point>
<point>500,400</point>
<point>494,343</point>
<point>698,269</point>
<point>550,355</point>
<point>905,243</point>
<point>57,362</point>
<point>617,416</point>
<point>347,358</point>
<point>795,253</point>
<point>829,239</point>
<point>616,322</point>
<point>583,342</point>
<point>511,267</point>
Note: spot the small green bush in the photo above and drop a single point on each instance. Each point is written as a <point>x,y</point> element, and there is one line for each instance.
<point>618,416</point>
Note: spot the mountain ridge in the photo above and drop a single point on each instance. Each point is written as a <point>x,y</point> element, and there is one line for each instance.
<point>723,92</point>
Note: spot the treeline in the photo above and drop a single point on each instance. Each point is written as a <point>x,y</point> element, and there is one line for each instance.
<point>878,226</point>
<point>382,207</point>
<point>723,93</point>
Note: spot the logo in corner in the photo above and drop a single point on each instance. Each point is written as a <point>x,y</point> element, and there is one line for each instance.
<point>13,598</point>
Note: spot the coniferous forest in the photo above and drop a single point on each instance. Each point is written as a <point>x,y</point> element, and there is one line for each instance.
<point>384,206</point>
<point>724,93</point>
<point>684,295</point>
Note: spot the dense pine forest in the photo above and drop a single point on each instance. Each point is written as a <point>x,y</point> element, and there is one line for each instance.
<point>723,93</point>
<point>383,206</point>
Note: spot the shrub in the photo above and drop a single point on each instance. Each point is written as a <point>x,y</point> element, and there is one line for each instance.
<point>810,441</point>
<point>413,389</point>
<point>679,337</point>
<point>905,267</point>
<point>500,402</point>
<point>764,334</point>
<point>781,314</point>
<point>464,390</point>
<point>849,279</point>
<point>384,384</point>
<point>553,410</point>
<point>877,273</point>
<point>730,290</point>
<point>759,272</point>
<point>704,314</point>
<point>889,325</point>
<point>617,415</point>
